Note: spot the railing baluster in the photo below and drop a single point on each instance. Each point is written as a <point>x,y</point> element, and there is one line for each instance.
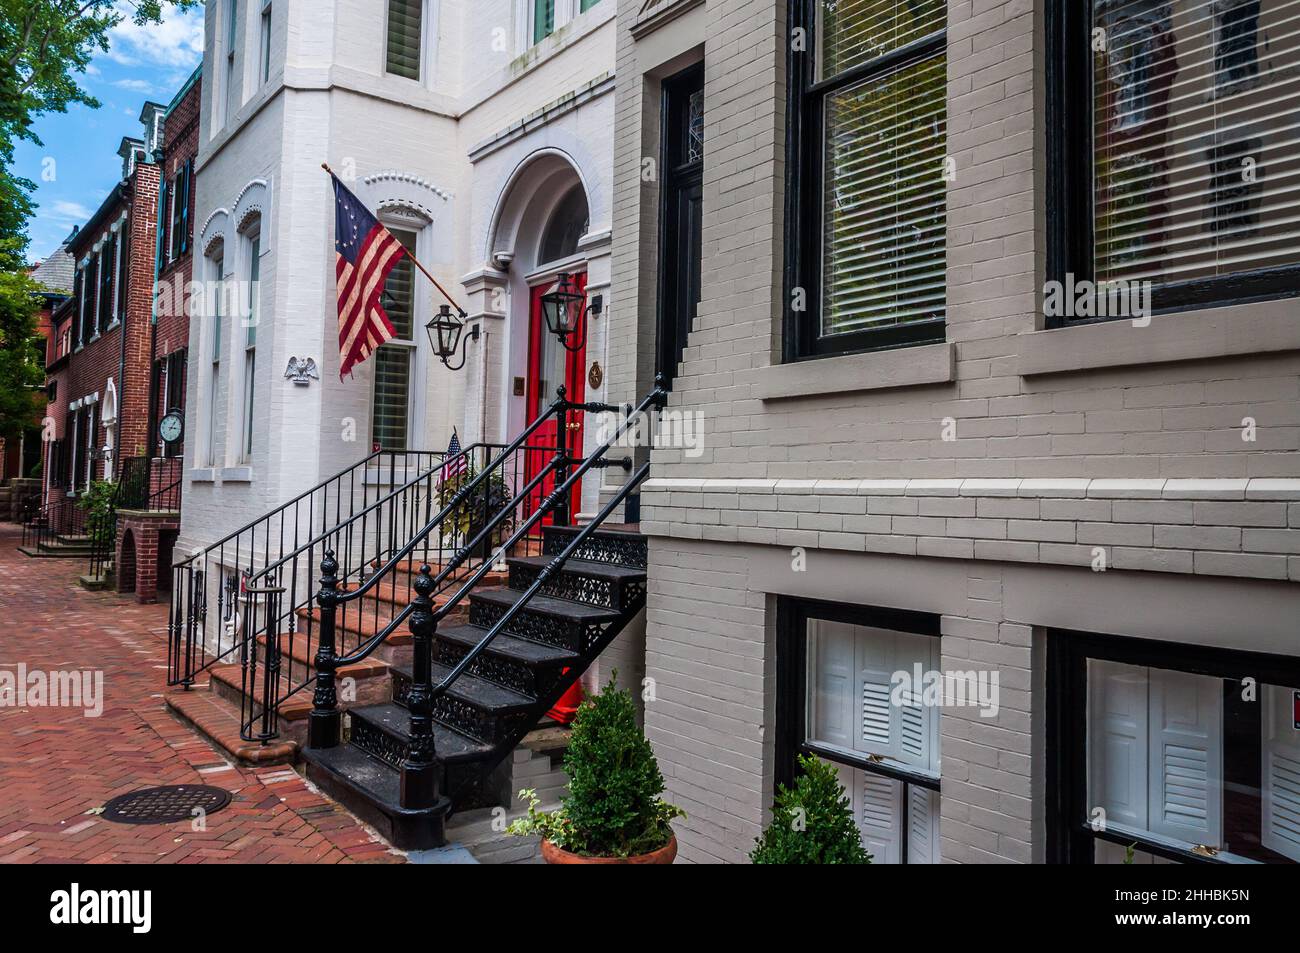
<point>324,722</point>
<point>419,782</point>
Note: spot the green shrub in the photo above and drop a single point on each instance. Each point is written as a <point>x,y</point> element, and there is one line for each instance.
<point>101,512</point>
<point>811,823</point>
<point>614,807</point>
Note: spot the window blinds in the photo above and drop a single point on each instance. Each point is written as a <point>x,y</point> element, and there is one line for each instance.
<point>404,29</point>
<point>1196,124</point>
<point>884,192</point>
<point>393,360</point>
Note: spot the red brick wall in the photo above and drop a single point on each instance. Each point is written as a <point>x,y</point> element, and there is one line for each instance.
<point>128,364</point>
<point>181,145</point>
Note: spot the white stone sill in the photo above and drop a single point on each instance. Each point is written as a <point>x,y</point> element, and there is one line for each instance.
<point>878,370</point>
<point>1248,489</point>
<point>1260,328</point>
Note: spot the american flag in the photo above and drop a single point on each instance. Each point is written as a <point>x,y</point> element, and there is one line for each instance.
<point>366,253</point>
<point>456,463</point>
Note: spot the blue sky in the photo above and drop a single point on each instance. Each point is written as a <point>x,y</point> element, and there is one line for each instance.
<point>143,63</point>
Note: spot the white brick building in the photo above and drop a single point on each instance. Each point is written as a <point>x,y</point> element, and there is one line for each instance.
<point>907,462</point>
<point>463,125</point>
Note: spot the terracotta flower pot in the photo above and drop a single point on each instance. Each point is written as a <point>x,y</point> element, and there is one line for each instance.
<point>555,855</point>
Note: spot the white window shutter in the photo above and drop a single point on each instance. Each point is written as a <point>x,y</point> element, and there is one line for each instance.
<point>877,809</point>
<point>1281,774</point>
<point>923,826</point>
<point>833,703</point>
<point>1118,742</point>
<point>1185,767</point>
<point>879,722</point>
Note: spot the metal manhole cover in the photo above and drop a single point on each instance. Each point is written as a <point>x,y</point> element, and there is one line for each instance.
<point>173,802</point>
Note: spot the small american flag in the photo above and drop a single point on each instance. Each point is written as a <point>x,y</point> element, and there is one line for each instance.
<point>366,253</point>
<point>456,463</point>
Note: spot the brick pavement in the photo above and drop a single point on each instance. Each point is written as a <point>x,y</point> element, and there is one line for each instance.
<point>57,765</point>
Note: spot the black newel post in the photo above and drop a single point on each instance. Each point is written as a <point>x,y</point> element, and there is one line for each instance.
<point>323,726</point>
<point>419,786</point>
<point>561,516</point>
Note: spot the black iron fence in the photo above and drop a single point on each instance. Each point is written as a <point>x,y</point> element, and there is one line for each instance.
<point>143,484</point>
<point>379,498</point>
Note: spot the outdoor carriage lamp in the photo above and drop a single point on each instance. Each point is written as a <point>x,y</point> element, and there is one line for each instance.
<point>446,335</point>
<point>564,310</point>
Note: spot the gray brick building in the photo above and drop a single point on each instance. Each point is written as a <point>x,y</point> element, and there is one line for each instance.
<point>912,457</point>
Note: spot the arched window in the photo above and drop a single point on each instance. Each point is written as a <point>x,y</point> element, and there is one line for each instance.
<point>567,225</point>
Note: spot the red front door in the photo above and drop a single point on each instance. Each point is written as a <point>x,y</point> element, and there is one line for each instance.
<point>550,364</point>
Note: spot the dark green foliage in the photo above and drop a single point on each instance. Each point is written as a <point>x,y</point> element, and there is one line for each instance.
<point>101,513</point>
<point>22,361</point>
<point>614,806</point>
<point>811,823</point>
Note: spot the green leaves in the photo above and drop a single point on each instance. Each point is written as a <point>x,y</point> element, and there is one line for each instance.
<point>811,823</point>
<point>613,808</point>
<point>22,363</point>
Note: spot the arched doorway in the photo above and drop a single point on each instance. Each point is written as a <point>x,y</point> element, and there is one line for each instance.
<point>539,236</point>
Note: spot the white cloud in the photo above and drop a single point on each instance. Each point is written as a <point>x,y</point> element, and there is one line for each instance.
<point>136,85</point>
<point>176,42</point>
<point>62,214</point>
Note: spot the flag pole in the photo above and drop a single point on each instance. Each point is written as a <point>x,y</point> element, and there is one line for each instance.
<point>416,262</point>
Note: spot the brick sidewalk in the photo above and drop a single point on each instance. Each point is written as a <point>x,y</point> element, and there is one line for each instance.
<point>57,765</point>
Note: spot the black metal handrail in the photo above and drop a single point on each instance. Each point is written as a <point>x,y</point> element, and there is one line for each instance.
<point>554,566</point>
<point>213,576</point>
<point>419,786</point>
<point>295,626</point>
<point>260,648</point>
<point>64,517</point>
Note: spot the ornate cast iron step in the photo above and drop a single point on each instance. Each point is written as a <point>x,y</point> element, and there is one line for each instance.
<point>593,584</point>
<point>381,730</point>
<point>555,622</point>
<point>616,547</point>
<point>526,667</point>
<point>472,706</point>
<point>371,789</point>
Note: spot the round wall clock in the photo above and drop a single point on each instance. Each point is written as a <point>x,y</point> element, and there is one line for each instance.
<point>171,427</point>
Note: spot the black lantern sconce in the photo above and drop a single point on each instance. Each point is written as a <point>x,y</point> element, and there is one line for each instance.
<point>447,336</point>
<point>565,310</point>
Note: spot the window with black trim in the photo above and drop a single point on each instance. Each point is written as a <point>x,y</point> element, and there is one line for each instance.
<point>1168,752</point>
<point>1173,154</point>
<point>839,698</point>
<point>867,214</point>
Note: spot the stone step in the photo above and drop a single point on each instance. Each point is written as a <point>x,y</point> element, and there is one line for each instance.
<point>218,720</point>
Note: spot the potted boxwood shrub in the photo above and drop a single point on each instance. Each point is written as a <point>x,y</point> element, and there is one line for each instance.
<point>812,823</point>
<point>614,812</point>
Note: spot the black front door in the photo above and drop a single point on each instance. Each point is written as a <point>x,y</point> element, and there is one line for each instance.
<point>681,214</point>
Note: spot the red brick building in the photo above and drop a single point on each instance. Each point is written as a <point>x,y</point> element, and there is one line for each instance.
<point>22,457</point>
<point>176,156</point>
<point>104,390</point>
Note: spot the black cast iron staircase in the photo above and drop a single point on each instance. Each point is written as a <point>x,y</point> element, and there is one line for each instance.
<point>485,662</point>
